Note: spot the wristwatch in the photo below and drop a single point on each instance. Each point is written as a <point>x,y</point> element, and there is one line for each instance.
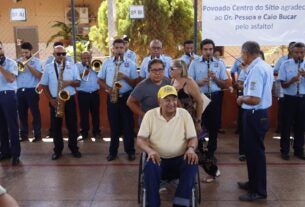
<point>191,147</point>
<point>197,120</point>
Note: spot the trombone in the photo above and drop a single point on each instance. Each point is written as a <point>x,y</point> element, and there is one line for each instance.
<point>95,66</point>
<point>21,65</point>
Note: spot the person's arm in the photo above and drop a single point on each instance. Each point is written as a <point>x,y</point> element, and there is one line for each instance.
<point>73,83</point>
<point>134,105</point>
<point>190,154</point>
<point>47,93</point>
<point>143,144</point>
<point>249,100</point>
<point>34,70</point>
<point>9,77</point>
<point>132,82</point>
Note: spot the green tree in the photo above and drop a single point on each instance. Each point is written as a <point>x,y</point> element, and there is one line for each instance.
<point>171,21</point>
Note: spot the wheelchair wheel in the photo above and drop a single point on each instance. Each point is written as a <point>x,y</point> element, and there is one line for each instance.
<point>198,188</point>
<point>141,189</point>
<point>196,192</point>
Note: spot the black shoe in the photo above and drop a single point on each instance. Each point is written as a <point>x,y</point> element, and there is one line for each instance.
<point>251,197</point>
<point>24,139</point>
<point>131,157</point>
<point>15,161</point>
<point>221,131</point>
<point>5,157</point>
<point>285,156</point>
<point>56,156</point>
<point>111,157</point>
<point>76,154</point>
<point>243,185</point>
<point>97,136</point>
<point>300,155</point>
<point>37,139</point>
<point>242,158</point>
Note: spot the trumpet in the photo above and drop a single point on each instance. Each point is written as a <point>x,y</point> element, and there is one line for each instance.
<point>21,65</point>
<point>95,66</point>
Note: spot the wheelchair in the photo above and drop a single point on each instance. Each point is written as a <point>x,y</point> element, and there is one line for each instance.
<point>196,191</point>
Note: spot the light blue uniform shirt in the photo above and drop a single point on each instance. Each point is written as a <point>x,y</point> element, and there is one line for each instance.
<point>127,67</point>
<point>87,86</point>
<point>198,70</point>
<point>51,58</point>
<point>277,84</point>
<point>11,66</point>
<point>235,68</point>
<point>49,77</point>
<point>187,58</point>
<point>258,83</point>
<point>165,59</point>
<point>242,75</point>
<point>26,79</point>
<point>288,70</point>
<point>129,54</point>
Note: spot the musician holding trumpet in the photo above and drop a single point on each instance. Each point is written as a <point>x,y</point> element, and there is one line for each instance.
<point>88,96</point>
<point>30,72</point>
<point>118,77</point>
<point>211,77</point>
<point>59,81</point>
<point>9,139</point>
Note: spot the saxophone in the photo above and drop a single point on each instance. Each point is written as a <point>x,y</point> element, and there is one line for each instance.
<point>62,95</point>
<point>116,85</point>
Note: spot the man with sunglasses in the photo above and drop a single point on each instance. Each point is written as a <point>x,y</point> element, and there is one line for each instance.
<point>119,115</point>
<point>210,75</point>
<point>155,48</point>
<point>26,93</point>
<point>71,79</point>
<point>9,139</point>
<point>144,96</point>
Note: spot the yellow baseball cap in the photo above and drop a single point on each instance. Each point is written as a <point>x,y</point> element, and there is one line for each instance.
<point>166,91</point>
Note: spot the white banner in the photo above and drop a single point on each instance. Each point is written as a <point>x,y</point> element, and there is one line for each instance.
<point>232,22</point>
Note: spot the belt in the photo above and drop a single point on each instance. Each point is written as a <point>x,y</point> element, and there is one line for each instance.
<point>212,93</point>
<point>24,89</point>
<point>295,96</point>
<point>253,111</point>
<point>6,92</point>
<point>96,91</point>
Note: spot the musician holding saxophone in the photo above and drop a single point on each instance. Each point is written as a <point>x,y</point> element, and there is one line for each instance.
<point>291,75</point>
<point>210,75</point>
<point>118,77</point>
<point>88,96</point>
<point>59,81</point>
<point>30,72</point>
<point>9,139</point>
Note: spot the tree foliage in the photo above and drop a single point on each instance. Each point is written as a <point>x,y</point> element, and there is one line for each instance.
<point>171,21</point>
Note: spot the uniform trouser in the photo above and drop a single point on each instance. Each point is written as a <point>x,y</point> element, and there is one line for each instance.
<point>241,135</point>
<point>9,138</point>
<point>211,117</point>
<point>71,124</point>
<point>27,99</point>
<point>89,102</point>
<point>173,168</point>
<point>293,115</point>
<point>254,129</point>
<point>121,122</point>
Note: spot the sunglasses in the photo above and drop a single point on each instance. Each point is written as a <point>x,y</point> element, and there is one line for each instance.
<point>61,54</point>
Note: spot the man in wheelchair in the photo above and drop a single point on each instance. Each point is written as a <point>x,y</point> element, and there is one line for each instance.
<point>168,136</point>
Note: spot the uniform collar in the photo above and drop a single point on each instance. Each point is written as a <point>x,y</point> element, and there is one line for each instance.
<point>211,59</point>
<point>253,63</point>
<point>161,117</point>
<point>113,59</point>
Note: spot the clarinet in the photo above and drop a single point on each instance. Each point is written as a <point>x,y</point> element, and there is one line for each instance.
<point>209,78</point>
<point>299,81</point>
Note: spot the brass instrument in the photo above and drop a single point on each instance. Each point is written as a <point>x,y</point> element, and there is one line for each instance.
<point>38,89</point>
<point>192,57</point>
<point>95,66</point>
<point>21,65</point>
<point>116,85</point>
<point>62,95</point>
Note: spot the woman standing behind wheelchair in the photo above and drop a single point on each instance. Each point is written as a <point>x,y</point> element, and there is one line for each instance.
<point>189,97</point>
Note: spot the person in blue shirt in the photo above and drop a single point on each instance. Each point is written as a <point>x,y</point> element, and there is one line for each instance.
<point>189,54</point>
<point>70,80</point>
<point>27,98</point>
<point>211,77</point>
<point>129,53</point>
<point>118,77</point>
<point>291,75</point>
<point>155,48</point>
<point>9,138</point>
<point>88,97</point>
<point>51,58</point>
<point>277,87</point>
<point>256,100</point>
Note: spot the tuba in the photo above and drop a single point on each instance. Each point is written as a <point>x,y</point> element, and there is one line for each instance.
<point>21,65</point>
<point>116,85</point>
<point>62,95</point>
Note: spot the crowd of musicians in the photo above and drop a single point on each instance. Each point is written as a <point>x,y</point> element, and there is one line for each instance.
<point>64,82</point>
